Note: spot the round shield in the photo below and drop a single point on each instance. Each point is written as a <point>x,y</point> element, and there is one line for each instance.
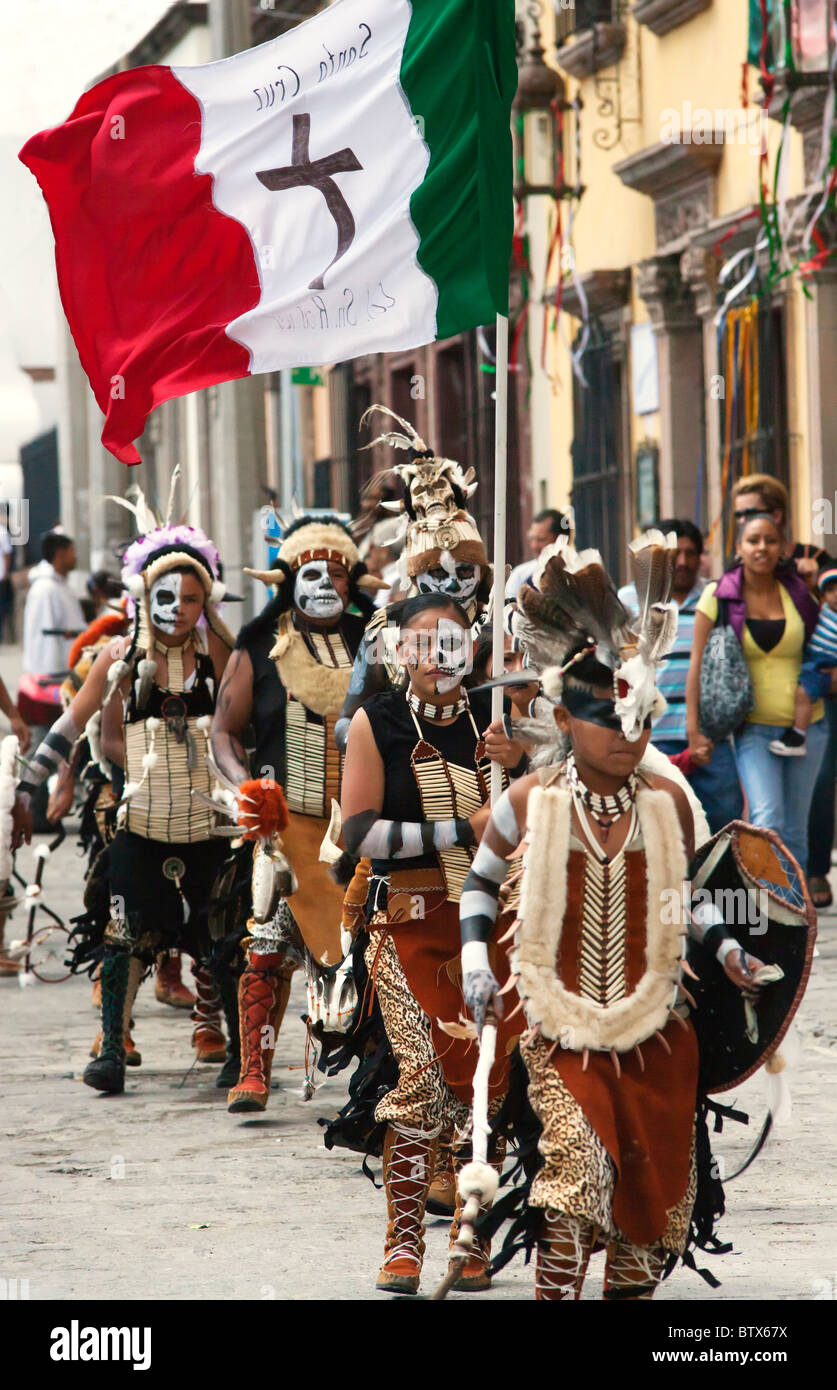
<point>761,891</point>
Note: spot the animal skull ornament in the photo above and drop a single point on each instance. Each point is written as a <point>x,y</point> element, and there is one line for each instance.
<point>314,594</point>
<point>456,579</point>
<point>164,602</point>
<point>431,493</point>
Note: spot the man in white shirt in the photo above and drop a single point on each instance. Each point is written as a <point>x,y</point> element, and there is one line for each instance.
<point>546,527</point>
<point>51,605</point>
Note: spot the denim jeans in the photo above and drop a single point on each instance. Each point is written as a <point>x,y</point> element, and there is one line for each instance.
<point>716,786</point>
<point>821,818</point>
<point>779,790</point>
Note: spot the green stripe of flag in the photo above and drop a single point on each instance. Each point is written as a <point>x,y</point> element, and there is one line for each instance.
<point>459,74</point>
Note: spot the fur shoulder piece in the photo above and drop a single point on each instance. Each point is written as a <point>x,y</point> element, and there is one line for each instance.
<point>580,1023</point>
<point>322,689</point>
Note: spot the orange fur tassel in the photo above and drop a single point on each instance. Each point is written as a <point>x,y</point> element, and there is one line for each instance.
<point>263,810</point>
<point>108,625</point>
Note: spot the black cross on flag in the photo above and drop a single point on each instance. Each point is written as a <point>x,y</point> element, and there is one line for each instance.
<point>317,173</point>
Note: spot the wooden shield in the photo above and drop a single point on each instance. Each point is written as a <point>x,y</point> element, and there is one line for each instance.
<point>764,897</point>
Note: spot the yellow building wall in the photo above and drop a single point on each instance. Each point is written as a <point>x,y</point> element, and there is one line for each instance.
<point>694,68</point>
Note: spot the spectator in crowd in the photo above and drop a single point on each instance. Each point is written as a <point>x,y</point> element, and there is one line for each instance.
<point>758,492</point>
<point>381,551</point>
<point>547,526</point>
<point>104,594</point>
<point>761,492</point>
<point>53,616</point>
<point>772,613</point>
<point>712,774</point>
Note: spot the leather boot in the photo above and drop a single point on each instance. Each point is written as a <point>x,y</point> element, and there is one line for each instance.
<point>408,1164</point>
<point>474,1276</point>
<point>168,985</point>
<point>8,966</point>
<point>133,1057</point>
<point>207,1035</point>
<point>441,1199</point>
<point>107,1071</point>
<point>231,1070</point>
<point>263,992</point>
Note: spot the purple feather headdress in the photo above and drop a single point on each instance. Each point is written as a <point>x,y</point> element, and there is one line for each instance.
<point>158,535</point>
<point>140,551</point>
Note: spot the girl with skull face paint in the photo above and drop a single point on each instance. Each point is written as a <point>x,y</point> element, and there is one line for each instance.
<point>415,788</point>
<point>163,860</point>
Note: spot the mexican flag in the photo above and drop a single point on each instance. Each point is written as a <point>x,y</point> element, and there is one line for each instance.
<point>345,188</point>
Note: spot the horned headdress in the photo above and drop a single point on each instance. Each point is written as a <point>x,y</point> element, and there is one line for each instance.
<point>318,538</point>
<point>578,634</point>
<point>440,529</point>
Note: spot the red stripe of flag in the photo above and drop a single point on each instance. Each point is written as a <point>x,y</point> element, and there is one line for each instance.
<point>150,272</point>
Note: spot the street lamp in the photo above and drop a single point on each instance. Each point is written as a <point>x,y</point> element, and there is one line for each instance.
<point>802,36</point>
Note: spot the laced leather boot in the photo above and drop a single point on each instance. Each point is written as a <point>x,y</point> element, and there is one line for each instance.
<point>133,1057</point>
<point>207,1035</point>
<point>441,1199</point>
<point>231,1070</point>
<point>474,1276</point>
<point>107,1071</point>
<point>263,992</point>
<point>408,1164</point>
<point>168,983</point>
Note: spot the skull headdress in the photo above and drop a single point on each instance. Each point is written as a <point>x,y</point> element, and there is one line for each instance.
<point>444,551</point>
<point>579,636</point>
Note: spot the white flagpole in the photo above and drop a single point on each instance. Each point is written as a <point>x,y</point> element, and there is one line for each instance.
<point>501,414</point>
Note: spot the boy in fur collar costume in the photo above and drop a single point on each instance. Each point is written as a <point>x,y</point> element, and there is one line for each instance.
<point>287,681</point>
<point>611,1058</point>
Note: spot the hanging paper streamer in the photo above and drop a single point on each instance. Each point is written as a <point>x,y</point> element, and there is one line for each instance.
<point>738,348</point>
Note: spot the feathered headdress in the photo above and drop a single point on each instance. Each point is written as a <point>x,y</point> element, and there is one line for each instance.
<point>440,528</point>
<point>578,634</point>
<point>161,546</point>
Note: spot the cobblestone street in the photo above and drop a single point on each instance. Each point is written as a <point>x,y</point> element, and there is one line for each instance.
<point>160,1193</point>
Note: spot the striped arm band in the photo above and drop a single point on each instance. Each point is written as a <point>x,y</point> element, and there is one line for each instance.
<point>505,820</point>
<point>368,835</point>
<point>54,751</point>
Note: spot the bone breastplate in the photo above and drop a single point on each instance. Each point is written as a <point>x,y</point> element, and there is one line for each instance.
<point>163,807</point>
<point>450,792</point>
<point>314,766</point>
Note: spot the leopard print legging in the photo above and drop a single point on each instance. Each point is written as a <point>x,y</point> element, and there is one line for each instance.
<point>422,1102</point>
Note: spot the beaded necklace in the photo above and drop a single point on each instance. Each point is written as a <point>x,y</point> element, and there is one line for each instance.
<point>436,712</point>
<point>605,810</point>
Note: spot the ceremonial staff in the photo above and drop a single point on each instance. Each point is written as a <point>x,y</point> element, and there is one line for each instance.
<point>478,1181</point>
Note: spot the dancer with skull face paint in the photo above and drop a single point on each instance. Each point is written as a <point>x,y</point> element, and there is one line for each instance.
<point>286,682</point>
<point>443,554</point>
<point>415,793</point>
<point>163,860</point>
